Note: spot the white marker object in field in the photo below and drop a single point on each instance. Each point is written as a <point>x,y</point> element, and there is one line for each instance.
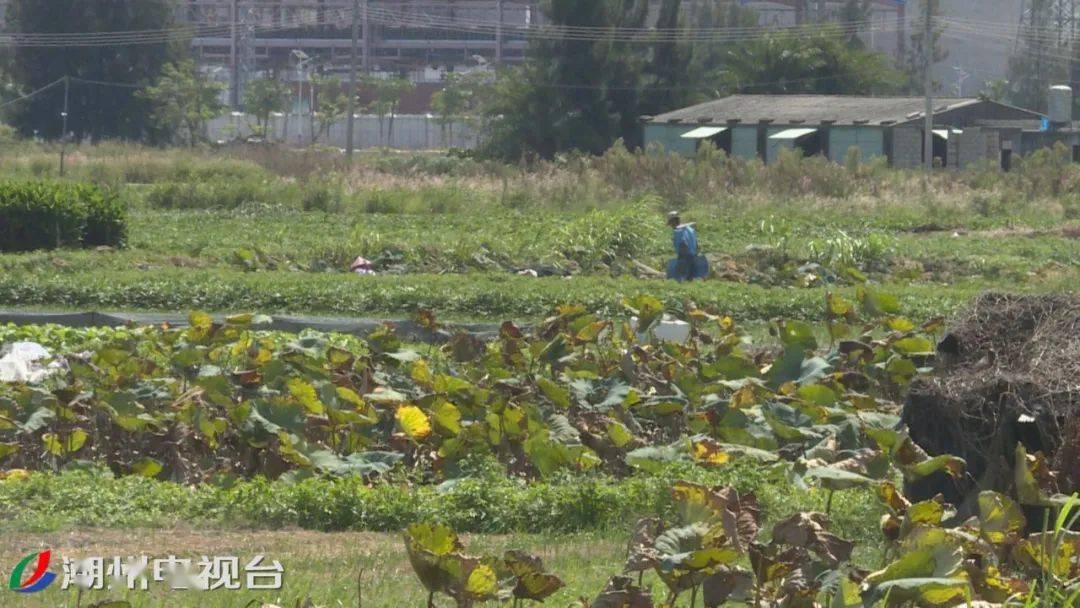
<point>22,362</point>
<point>667,330</point>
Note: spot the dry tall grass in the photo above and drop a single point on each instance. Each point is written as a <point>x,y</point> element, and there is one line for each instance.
<point>403,182</point>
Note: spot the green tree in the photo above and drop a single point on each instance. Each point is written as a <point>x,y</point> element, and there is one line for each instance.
<point>184,100</point>
<point>915,59</point>
<point>388,93</point>
<point>332,101</point>
<point>681,71</point>
<point>95,110</point>
<point>450,103</point>
<point>625,73</point>
<point>853,13</point>
<point>822,63</point>
<point>263,97</point>
<point>574,92</point>
<point>995,90</point>
<point>669,66</point>
<point>462,101</point>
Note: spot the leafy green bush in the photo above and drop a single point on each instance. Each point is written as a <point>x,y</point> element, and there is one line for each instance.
<point>428,164</point>
<point>217,194</point>
<point>48,215</point>
<point>322,195</point>
<point>493,503</point>
<point>794,174</point>
<point>8,135</point>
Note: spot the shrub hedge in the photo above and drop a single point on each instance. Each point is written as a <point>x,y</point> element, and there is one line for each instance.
<point>479,296</point>
<point>50,215</point>
<point>484,503</point>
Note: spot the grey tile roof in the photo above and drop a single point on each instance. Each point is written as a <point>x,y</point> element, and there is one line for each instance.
<point>809,109</point>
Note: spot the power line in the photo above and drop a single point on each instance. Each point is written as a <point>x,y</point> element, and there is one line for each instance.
<point>126,85</point>
<point>429,18</point>
<point>421,21</point>
<point>616,34</point>
<point>100,39</point>
<point>31,94</point>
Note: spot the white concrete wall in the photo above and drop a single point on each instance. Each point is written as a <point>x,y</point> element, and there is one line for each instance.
<point>411,132</point>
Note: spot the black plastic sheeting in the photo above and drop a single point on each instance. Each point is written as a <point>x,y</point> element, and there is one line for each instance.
<point>405,330</point>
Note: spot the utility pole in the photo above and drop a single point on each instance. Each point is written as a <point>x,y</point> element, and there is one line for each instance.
<point>367,37</point>
<point>351,105</point>
<point>234,64</point>
<point>901,31</point>
<point>63,123</point>
<point>499,33</point>
<point>928,61</point>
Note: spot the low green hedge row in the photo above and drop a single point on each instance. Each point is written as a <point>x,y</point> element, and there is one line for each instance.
<point>50,215</point>
<point>476,296</point>
<point>485,503</point>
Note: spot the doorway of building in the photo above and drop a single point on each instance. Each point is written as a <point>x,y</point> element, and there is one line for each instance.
<point>811,144</point>
<point>721,140</point>
<point>941,148</point>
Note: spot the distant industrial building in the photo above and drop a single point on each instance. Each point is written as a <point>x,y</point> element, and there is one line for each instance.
<point>966,130</point>
<point>425,39</point>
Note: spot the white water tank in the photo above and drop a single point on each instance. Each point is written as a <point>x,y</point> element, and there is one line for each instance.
<point>1061,99</point>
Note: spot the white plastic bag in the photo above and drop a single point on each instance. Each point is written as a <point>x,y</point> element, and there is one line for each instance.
<point>25,362</point>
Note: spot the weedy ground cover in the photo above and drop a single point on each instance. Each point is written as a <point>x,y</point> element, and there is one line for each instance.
<point>322,566</point>
<point>290,217</point>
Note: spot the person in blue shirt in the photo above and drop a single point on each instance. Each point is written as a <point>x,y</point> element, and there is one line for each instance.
<point>684,238</point>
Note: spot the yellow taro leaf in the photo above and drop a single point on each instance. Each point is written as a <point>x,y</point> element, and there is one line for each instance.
<point>421,373</point>
<point>147,467</point>
<point>263,356</point>
<point>447,418</point>
<point>557,394</point>
<point>437,539</point>
<point>1001,519</point>
<point>303,392</point>
<point>494,428</point>
<point>619,435</point>
<point>482,581</point>
<point>591,332</point>
<point>413,421</point>
<point>901,324</point>
<point>709,557</point>
<point>15,475</point>
<point>1051,553</point>
<point>512,419</point>
<point>200,320</point>
<point>240,319</point>
<point>744,397</point>
<point>710,453</point>
<point>347,395</point>
<point>58,446</point>
<point>7,449</point>
<point>837,305</point>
